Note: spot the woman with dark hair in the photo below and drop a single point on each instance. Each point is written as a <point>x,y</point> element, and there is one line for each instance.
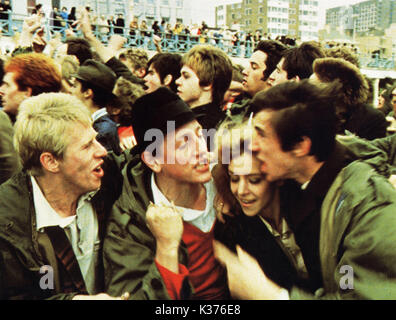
<point>257,225</point>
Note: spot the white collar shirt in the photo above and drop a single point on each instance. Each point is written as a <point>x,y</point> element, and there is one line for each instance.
<point>202,219</point>
<point>81,229</point>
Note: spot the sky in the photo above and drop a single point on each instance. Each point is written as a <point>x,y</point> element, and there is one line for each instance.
<point>205,10</point>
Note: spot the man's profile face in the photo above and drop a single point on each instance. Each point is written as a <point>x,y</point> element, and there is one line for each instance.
<point>253,74</point>
<point>185,155</point>
<point>152,80</point>
<point>275,163</point>
<point>279,75</point>
<point>11,96</point>
<point>81,164</point>
<point>76,90</point>
<point>188,87</point>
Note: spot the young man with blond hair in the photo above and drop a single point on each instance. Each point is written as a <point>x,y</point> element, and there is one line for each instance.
<point>51,213</point>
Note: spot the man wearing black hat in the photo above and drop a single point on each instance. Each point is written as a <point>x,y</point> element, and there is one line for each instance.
<point>94,86</point>
<point>160,231</point>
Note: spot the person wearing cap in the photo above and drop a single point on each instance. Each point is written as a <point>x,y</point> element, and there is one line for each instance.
<point>159,236</point>
<point>94,87</point>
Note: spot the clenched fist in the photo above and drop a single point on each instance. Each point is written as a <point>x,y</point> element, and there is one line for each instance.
<point>166,224</point>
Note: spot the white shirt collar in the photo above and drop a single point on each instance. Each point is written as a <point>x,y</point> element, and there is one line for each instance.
<point>202,219</point>
<point>46,216</point>
<point>98,114</point>
<point>304,186</point>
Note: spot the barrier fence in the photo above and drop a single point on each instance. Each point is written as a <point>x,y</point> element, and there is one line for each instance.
<point>170,42</point>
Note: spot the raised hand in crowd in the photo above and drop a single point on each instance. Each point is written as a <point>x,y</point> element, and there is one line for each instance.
<point>166,224</point>
<point>116,42</point>
<point>29,28</point>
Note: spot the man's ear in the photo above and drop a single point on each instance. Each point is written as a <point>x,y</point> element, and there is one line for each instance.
<point>28,92</point>
<point>49,162</point>
<point>141,72</point>
<point>88,94</point>
<point>207,88</point>
<point>302,148</point>
<point>168,79</point>
<point>151,161</point>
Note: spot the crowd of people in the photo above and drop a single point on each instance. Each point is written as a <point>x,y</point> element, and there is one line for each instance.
<point>190,176</point>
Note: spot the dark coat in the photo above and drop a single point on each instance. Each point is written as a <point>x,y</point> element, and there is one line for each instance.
<point>251,234</point>
<point>9,161</point>
<point>366,122</point>
<point>24,250</point>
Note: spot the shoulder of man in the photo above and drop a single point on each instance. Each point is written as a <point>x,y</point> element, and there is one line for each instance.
<point>16,205</point>
<point>362,188</point>
<point>240,106</point>
<point>367,152</point>
<point>134,190</point>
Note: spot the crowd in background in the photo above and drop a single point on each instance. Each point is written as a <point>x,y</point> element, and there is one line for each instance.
<point>273,180</point>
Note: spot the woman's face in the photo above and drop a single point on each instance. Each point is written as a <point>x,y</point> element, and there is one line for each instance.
<point>248,184</point>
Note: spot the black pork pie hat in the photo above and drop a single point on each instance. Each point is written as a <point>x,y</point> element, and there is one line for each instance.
<point>153,111</point>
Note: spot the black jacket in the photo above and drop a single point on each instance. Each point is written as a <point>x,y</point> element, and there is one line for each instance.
<point>366,122</point>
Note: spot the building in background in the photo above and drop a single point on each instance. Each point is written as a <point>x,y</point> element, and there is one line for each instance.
<point>363,16</point>
<point>168,10</point>
<point>183,11</point>
<point>295,18</point>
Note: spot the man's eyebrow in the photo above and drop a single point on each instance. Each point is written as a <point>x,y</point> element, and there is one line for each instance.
<point>89,141</point>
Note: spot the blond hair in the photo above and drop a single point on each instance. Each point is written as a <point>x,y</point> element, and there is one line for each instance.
<point>137,57</point>
<point>43,124</point>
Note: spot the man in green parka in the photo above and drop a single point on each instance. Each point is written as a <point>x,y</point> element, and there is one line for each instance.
<point>340,210</point>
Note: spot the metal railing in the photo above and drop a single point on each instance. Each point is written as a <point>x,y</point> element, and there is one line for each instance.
<point>170,42</point>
